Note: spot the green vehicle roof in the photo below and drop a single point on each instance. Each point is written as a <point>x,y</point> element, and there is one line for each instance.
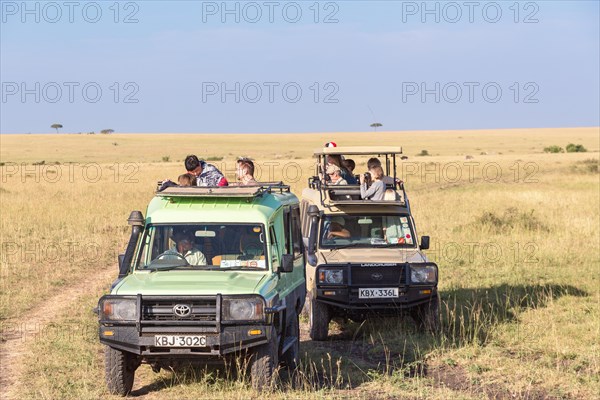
<point>188,209</point>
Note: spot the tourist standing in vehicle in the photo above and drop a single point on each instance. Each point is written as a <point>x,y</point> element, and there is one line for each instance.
<point>376,191</point>
<point>336,159</point>
<point>349,164</point>
<point>206,174</point>
<point>185,180</point>
<point>245,172</point>
<point>334,173</point>
<point>374,162</point>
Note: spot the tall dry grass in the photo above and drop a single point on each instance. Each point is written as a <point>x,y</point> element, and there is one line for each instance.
<point>518,256</point>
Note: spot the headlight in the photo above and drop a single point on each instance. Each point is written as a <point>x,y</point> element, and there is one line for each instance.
<point>118,309</point>
<point>243,309</point>
<point>426,274</point>
<point>333,276</point>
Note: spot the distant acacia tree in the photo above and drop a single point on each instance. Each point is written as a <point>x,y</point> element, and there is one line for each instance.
<point>107,131</point>
<point>56,126</point>
<point>375,125</point>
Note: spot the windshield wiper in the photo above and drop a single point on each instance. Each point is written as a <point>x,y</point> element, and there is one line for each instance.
<point>243,268</point>
<point>154,269</point>
<point>345,246</point>
<point>186,266</point>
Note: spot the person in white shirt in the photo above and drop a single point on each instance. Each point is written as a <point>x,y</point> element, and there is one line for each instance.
<point>184,247</point>
<point>335,174</point>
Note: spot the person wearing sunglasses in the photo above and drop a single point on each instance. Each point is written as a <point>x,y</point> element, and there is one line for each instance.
<point>335,175</point>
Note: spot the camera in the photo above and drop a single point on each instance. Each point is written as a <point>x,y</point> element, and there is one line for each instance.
<point>368,179</point>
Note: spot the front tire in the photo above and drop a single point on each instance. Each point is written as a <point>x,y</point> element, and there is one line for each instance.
<point>120,369</point>
<point>263,366</point>
<point>319,316</point>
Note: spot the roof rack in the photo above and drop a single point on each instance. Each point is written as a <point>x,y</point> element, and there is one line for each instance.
<point>349,195</point>
<point>358,150</point>
<point>248,191</point>
<point>334,195</point>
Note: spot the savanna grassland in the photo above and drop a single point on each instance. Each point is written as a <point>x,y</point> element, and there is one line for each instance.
<point>515,232</point>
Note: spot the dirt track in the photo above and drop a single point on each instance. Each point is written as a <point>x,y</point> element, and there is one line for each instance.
<point>18,333</point>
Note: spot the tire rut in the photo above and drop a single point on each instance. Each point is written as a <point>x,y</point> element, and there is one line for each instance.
<point>17,333</point>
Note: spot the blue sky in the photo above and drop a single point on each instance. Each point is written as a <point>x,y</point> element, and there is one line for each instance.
<point>189,66</point>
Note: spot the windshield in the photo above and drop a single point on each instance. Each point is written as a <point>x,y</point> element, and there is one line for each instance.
<point>215,246</point>
<point>339,231</point>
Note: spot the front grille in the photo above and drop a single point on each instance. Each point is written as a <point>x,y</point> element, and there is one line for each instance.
<point>378,276</point>
<point>202,309</point>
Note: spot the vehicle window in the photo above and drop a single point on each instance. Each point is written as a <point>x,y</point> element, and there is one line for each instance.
<point>287,223</point>
<point>274,247</point>
<point>214,246</point>
<point>366,231</point>
<point>296,233</point>
<point>145,247</point>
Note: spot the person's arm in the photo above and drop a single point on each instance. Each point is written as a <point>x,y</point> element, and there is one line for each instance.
<point>344,233</point>
<point>167,183</point>
<point>367,194</point>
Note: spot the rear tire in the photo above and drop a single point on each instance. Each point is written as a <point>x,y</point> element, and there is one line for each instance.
<point>427,316</point>
<point>120,369</point>
<point>291,356</point>
<point>263,366</point>
<point>319,316</point>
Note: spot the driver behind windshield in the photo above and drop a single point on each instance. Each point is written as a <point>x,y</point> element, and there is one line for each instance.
<point>184,248</point>
<point>335,228</point>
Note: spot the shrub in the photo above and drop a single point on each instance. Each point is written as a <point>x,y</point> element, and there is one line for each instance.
<point>214,158</point>
<point>575,148</point>
<point>553,149</point>
<point>423,153</point>
<point>589,166</point>
<point>512,218</point>
<point>166,158</point>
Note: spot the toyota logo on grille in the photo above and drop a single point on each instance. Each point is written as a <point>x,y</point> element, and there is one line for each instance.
<point>377,276</point>
<point>182,310</point>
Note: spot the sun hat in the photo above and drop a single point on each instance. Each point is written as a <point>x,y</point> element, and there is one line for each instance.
<point>332,168</point>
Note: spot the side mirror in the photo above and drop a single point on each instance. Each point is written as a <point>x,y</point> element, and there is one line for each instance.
<point>312,211</point>
<point>424,243</point>
<point>311,249</point>
<point>287,263</point>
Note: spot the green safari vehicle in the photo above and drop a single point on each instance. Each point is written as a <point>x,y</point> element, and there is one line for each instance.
<point>209,274</point>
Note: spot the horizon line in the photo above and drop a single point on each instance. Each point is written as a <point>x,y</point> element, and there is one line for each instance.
<point>295,133</point>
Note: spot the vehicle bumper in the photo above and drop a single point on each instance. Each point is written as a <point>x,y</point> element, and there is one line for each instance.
<point>230,339</point>
<point>348,298</point>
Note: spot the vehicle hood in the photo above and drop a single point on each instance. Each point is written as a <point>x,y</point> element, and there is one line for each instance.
<point>373,256</point>
<point>176,282</point>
